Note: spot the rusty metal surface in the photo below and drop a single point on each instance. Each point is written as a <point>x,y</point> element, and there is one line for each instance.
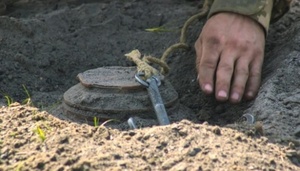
<point>107,98</point>
<point>110,77</point>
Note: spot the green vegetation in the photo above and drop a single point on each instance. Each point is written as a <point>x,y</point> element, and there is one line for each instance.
<point>9,100</point>
<point>96,121</point>
<point>158,29</point>
<point>40,133</point>
<point>13,134</point>
<point>27,101</point>
<point>20,166</point>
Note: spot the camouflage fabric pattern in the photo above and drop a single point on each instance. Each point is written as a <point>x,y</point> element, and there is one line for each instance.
<point>259,10</point>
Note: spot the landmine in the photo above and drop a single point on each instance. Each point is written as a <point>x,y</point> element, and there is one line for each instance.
<point>113,93</point>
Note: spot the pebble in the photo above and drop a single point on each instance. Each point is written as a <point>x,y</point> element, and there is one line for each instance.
<point>194,151</point>
<point>169,163</point>
<point>213,157</point>
<point>217,131</point>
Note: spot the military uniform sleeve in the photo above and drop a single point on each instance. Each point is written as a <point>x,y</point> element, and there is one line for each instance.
<point>260,10</point>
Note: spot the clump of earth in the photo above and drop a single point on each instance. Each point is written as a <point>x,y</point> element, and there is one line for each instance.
<point>46,44</point>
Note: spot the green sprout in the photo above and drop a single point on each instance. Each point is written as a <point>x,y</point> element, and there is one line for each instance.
<point>158,29</point>
<point>96,121</point>
<point>20,166</point>
<point>13,134</point>
<point>40,133</point>
<point>28,99</point>
<point>9,100</point>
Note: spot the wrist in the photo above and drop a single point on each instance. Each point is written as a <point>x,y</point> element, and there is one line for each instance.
<point>258,10</point>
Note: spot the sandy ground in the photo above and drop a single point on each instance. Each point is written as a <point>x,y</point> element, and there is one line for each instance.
<point>45,44</point>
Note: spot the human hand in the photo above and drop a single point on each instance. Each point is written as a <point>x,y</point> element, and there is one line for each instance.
<point>230,53</point>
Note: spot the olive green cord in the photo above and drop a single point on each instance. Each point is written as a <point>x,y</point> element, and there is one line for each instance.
<point>143,64</point>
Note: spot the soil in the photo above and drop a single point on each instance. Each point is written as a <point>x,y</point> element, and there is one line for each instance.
<point>45,44</point>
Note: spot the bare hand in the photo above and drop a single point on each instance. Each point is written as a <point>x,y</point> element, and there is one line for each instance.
<point>230,53</point>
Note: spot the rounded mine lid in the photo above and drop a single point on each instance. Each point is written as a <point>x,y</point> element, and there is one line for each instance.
<point>110,77</point>
<point>112,93</point>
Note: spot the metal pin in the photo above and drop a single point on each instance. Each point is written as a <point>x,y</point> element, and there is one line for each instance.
<point>131,123</point>
<point>152,84</point>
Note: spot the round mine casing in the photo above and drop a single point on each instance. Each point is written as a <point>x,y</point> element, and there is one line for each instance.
<point>113,93</point>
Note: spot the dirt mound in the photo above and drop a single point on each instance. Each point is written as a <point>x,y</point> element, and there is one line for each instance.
<point>45,44</point>
<point>180,146</point>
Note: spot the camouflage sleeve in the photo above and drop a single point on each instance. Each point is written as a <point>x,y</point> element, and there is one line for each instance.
<point>259,10</point>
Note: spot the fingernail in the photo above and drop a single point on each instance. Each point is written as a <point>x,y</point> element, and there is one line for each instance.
<point>235,96</point>
<point>250,94</point>
<point>208,88</point>
<point>222,94</point>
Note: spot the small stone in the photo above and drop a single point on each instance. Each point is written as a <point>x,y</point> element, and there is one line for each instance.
<point>272,163</point>
<point>64,139</point>
<point>187,144</point>
<point>205,123</point>
<point>291,145</point>
<point>127,137</point>
<point>217,131</point>
<point>194,152</point>
<point>146,137</point>
<point>169,163</point>
<point>131,133</point>
<point>180,167</point>
<point>183,132</point>
<point>238,137</point>
<point>213,157</point>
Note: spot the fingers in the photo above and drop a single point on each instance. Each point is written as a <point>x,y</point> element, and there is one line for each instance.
<point>230,72</point>
<point>207,62</point>
<point>229,57</point>
<point>224,74</point>
<point>238,77</point>
<point>237,74</point>
<point>241,75</point>
<point>254,79</point>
